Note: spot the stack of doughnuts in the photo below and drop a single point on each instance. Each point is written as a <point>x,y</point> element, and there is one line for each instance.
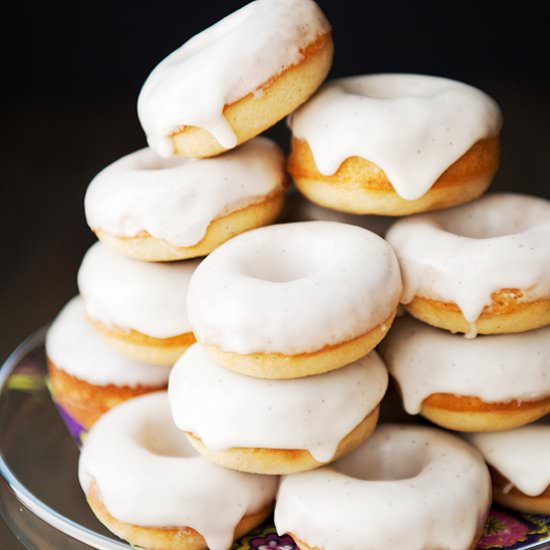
<point>210,352</point>
<point>474,355</point>
<point>275,315</point>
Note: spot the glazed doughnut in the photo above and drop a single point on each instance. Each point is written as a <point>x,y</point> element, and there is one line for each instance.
<point>395,144</point>
<point>520,466</point>
<point>236,79</point>
<point>295,425</point>
<point>405,488</point>
<point>156,209</point>
<point>87,377</point>
<point>139,307</point>
<point>488,383</point>
<point>480,268</point>
<point>147,485</point>
<point>293,300</point>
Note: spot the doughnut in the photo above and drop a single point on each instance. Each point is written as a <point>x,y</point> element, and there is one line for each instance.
<point>274,426</point>
<point>298,209</point>
<point>147,485</point>
<point>139,307</point>
<point>394,144</point>
<point>235,79</point>
<point>156,209</point>
<point>487,383</point>
<point>519,461</point>
<point>87,377</point>
<point>405,488</point>
<point>482,268</point>
<point>296,299</point>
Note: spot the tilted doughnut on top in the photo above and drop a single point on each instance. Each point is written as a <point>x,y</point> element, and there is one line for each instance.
<point>293,288</point>
<point>412,126</point>
<point>75,347</point>
<point>147,474</point>
<point>223,64</point>
<point>497,368</point>
<point>521,455</point>
<point>406,487</point>
<point>465,254</point>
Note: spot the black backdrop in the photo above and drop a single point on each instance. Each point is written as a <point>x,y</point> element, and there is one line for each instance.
<point>115,43</point>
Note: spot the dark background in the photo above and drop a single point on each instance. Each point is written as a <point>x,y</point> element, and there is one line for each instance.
<point>71,73</point>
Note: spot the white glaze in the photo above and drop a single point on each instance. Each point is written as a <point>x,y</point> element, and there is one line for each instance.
<point>498,368</point>
<point>293,288</point>
<point>464,254</point>
<point>76,348</point>
<point>405,488</point>
<point>223,64</point>
<point>128,294</point>
<point>149,475</point>
<point>412,126</point>
<point>521,455</point>
<point>177,199</point>
<point>312,414</point>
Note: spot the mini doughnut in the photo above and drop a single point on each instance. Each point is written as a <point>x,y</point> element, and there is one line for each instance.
<point>488,383</point>
<point>480,268</point>
<point>520,466</point>
<point>147,485</point>
<point>395,144</point>
<point>237,78</point>
<point>275,426</point>
<point>405,488</point>
<point>139,307</point>
<point>156,209</point>
<point>87,377</point>
<point>296,299</point>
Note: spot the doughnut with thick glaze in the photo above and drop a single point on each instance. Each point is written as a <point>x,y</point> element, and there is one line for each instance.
<point>296,299</point>
<point>520,466</point>
<point>395,144</point>
<point>479,268</point>
<point>146,483</point>
<point>275,426</point>
<point>139,307</point>
<point>156,209</point>
<point>405,488</point>
<point>237,78</point>
<point>487,383</point>
<point>87,377</point>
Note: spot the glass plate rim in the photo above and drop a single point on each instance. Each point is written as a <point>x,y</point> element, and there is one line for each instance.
<point>26,497</point>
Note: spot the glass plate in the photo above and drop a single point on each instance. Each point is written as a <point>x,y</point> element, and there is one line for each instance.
<point>42,501</point>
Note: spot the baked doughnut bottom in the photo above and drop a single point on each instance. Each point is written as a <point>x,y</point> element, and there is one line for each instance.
<point>507,314</point>
<point>260,110</point>
<point>303,546</point>
<point>86,402</point>
<point>511,497</point>
<point>143,348</point>
<point>470,414</point>
<point>276,366</point>
<point>361,187</point>
<point>283,461</point>
<point>150,249</point>
<point>163,538</point>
